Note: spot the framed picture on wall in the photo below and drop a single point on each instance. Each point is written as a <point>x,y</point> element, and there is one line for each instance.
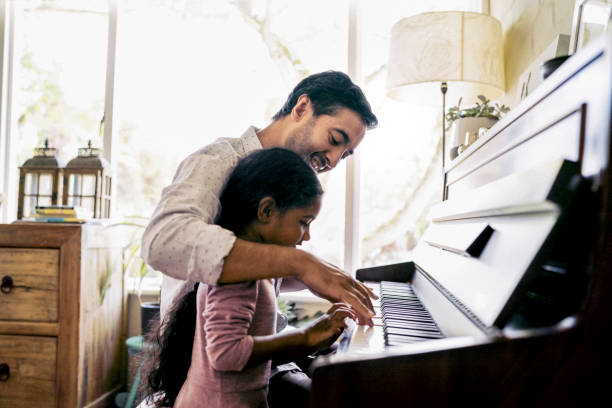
<point>591,17</point>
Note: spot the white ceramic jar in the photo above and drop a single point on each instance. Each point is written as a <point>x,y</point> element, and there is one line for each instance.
<point>460,127</point>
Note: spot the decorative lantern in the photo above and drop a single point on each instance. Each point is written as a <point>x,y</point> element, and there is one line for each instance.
<point>39,180</point>
<point>87,182</point>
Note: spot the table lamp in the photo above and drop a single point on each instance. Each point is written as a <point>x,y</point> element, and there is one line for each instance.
<point>460,53</point>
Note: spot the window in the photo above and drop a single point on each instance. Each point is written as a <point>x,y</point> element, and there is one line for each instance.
<point>190,72</point>
<point>58,80</point>
<point>234,68</point>
<point>401,169</point>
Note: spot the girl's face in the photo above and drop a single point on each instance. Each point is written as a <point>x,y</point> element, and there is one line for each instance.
<point>291,227</point>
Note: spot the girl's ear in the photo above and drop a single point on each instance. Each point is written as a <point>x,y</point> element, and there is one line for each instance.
<point>266,209</point>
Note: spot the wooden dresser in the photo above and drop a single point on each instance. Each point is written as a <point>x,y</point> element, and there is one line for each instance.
<point>62,316</point>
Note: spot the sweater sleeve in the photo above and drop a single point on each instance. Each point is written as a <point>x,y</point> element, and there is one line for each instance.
<point>227,318</point>
<point>181,239</point>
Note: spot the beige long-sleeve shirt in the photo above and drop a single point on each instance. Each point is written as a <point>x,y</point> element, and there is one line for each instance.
<point>181,240</point>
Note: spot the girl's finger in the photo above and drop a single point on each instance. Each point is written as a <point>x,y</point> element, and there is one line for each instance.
<point>336,306</point>
<point>342,313</point>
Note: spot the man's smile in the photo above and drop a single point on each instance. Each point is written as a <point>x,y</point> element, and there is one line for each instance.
<point>318,162</point>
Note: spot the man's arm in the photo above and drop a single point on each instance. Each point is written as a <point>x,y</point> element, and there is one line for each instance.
<point>250,260</point>
<point>290,284</point>
<point>182,241</point>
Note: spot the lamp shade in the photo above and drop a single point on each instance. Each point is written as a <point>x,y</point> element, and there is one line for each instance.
<point>463,49</point>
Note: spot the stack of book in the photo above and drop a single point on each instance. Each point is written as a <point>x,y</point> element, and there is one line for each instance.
<point>60,213</point>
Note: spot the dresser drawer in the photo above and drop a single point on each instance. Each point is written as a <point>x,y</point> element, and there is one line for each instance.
<point>29,284</point>
<point>27,371</point>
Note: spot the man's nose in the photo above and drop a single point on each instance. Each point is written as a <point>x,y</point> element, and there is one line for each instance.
<point>334,157</point>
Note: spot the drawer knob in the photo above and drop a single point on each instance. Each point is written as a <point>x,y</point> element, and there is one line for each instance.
<point>5,372</point>
<point>7,284</point>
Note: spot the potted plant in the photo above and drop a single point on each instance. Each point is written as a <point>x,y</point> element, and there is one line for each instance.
<point>464,123</point>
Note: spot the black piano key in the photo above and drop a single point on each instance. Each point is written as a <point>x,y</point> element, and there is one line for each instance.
<point>426,330</point>
<point>398,293</point>
<point>413,333</point>
<point>410,325</point>
<point>402,315</point>
<point>390,301</point>
<point>400,306</point>
<point>415,319</point>
<point>394,340</point>
<point>389,284</point>
<point>425,334</point>
<point>397,299</point>
<point>406,309</point>
<point>426,325</point>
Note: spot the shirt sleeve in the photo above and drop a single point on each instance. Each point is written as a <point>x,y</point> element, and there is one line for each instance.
<point>227,316</point>
<point>181,239</point>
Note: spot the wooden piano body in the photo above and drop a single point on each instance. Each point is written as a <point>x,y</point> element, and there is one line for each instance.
<point>526,306</point>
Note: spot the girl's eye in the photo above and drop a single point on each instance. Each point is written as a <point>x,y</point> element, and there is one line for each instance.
<point>333,141</point>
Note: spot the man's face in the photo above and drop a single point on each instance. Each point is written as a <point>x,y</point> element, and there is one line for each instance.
<point>325,140</point>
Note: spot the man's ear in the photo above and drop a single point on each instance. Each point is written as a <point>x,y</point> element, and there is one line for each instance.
<point>302,106</point>
<point>266,209</point>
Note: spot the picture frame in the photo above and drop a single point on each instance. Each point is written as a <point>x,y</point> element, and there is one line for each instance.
<point>591,17</point>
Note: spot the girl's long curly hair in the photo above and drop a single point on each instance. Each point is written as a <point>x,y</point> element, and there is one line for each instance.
<point>169,349</point>
<point>277,173</point>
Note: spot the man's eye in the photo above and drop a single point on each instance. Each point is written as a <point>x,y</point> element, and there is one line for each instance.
<point>333,141</point>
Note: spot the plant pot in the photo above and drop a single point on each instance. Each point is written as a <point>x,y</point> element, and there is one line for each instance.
<point>149,315</point>
<point>463,127</point>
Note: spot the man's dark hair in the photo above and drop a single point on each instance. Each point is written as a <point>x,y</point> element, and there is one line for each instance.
<point>329,91</point>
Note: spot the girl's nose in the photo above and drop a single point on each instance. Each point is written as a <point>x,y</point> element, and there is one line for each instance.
<point>306,236</point>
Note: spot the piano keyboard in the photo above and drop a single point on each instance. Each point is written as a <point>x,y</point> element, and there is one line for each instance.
<point>400,319</point>
<point>404,318</point>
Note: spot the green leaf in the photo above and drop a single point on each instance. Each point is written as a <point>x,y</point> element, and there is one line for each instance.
<point>144,269</point>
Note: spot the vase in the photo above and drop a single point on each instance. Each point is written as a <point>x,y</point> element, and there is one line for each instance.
<point>149,314</point>
<point>463,127</point>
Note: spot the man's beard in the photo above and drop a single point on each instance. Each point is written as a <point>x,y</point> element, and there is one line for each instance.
<point>300,142</point>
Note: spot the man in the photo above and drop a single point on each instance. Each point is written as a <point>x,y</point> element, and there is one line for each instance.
<point>324,119</point>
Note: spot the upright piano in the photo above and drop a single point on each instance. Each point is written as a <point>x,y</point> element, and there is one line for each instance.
<point>507,299</point>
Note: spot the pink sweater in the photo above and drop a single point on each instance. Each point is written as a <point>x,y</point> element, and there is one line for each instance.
<point>228,316</point>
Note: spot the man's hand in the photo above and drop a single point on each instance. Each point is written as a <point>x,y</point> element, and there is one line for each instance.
<point>329,282</point>
<point>249,261</point>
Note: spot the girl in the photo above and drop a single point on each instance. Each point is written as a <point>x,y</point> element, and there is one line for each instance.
<point>216,348</point>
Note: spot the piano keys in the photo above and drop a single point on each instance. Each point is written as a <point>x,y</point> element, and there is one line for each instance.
<point>401,318</point>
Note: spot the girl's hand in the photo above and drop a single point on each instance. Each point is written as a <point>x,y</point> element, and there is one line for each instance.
<point>323,332</point>
<point>337,306</point>
<point>329,282</point>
